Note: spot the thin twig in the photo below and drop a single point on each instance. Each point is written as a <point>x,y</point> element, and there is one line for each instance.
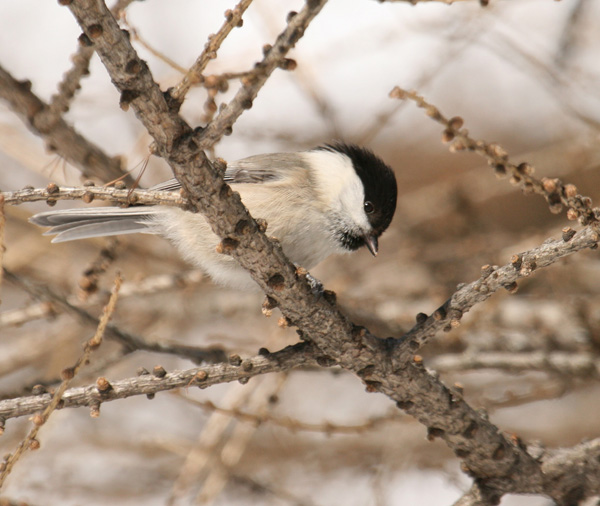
<point>30,441</point>
<point>296,425</point>
<point>135,35</point>
<point>125,196</point>
<point>131,342</point>
<point>70,84</point>
<point>148,384</point>
<point>59,136</point>
<point>556,193</point>
<point>147,286</point>
<point>193,76</point>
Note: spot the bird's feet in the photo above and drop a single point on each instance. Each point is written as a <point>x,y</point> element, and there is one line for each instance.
<point>316,287</point>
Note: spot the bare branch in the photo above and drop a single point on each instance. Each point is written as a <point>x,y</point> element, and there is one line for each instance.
<point>149,384</point>
<point>573,473</point>
<point>30,442</point>
<point>274,58</point>
<point>131,342</point>
<point>59,136</point>
<point>556,193</point>
<point>194,74</point>
<point>53,192</point>
<point>492,279</point>
<point>564,363</point>
<point>70,84</point>
<point>148,286</point>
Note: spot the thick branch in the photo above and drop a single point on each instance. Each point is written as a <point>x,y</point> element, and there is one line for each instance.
<point>487,453</point>
<point>573,473</point>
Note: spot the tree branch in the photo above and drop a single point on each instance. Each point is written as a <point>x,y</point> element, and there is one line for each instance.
<point>300,354</point>
<point>53,192</point>
<point>501,463</point>
<point>130,342</point>
<point>492,279</point>
<point>580,364</point>
<point>556,193</point>
<point>59,136</point>
<point>194,74</point>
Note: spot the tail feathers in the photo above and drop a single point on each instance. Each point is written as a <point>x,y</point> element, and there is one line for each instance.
<point>73,224</point>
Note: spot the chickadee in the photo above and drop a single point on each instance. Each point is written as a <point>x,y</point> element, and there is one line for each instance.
<point>331,199</point>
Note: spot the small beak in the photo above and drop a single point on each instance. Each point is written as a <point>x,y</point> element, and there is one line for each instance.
<point>371,242</point>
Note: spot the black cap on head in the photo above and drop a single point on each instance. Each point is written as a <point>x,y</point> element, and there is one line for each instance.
<point>379,184</point>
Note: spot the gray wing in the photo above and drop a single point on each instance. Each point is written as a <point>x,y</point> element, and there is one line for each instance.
<point>254,169</point>
<point>266,168</point>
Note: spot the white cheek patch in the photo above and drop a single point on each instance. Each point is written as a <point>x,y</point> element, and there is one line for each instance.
<point>352,199</point>
<point>339,185</point>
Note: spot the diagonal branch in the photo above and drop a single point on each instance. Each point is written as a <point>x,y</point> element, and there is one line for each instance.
<point>30,442</point>
<point>301,354</point>
<point>130,342</point>
<point>58,134</point>
<point>194,75</point>
<point>492,279</point>
<point>502,464</point>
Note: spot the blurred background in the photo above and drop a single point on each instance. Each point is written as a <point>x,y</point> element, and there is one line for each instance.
<point>523,74</point>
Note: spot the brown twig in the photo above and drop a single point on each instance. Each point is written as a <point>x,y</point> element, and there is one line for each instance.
<point>30,441</point>
<point>125,196</point>
<point>556,193</point>
<point>70,84</point>
<point>193,76</point>
<point>135,35</point>
<point>274,58</point>
<point>59,136</point>
<point>148,384</point>
<point>148,286</point>
<point>296,425</point>
<point>130,342</point>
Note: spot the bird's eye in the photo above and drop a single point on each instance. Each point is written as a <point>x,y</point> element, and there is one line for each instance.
<point>369,207</point>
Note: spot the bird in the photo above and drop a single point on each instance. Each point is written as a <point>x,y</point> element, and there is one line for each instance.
<point>332,199</point>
